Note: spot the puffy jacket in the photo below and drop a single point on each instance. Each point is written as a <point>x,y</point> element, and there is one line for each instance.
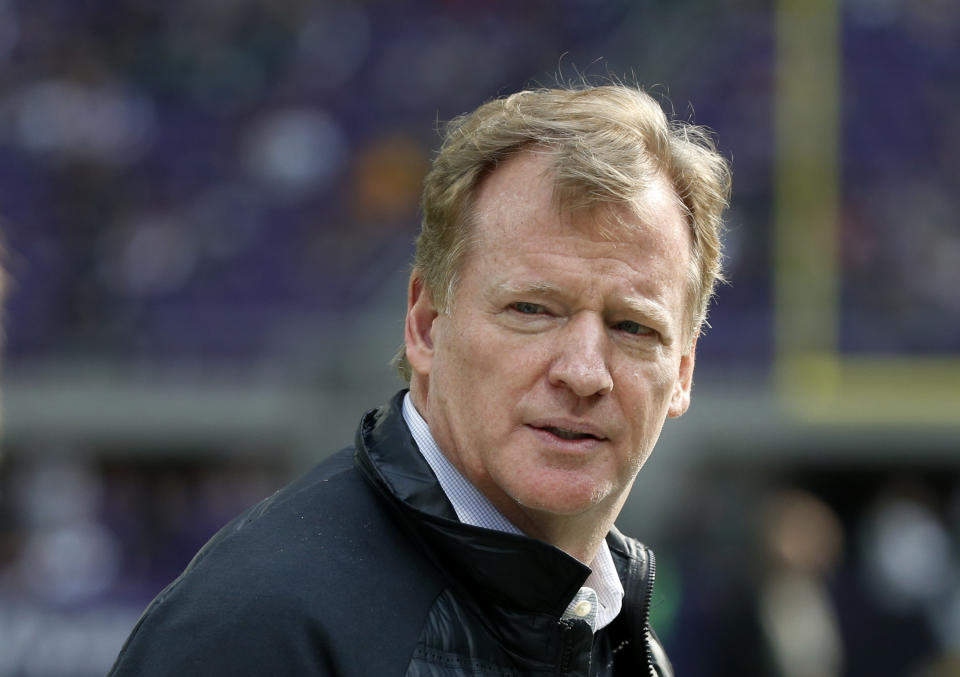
<point>360,567</point>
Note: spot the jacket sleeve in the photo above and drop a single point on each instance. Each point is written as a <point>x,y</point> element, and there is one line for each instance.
<point>185,632</point>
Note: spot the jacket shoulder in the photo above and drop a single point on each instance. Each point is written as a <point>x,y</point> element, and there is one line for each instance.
<point>293,585</point>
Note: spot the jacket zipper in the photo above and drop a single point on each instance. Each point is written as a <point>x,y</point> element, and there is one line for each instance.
<point>566,647</point>
<point>648,596</point>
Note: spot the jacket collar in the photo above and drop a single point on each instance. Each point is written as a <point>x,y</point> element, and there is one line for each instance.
<point>514,571</point>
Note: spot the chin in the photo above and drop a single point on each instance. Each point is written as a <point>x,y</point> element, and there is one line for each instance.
<point>569,501</point>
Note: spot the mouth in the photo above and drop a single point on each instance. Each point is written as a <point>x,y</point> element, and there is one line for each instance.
<point>565,434</point>
<point>569,430</point>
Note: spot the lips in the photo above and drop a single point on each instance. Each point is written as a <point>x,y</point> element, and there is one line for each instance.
<point>569,434</point>
<point>570,430</point>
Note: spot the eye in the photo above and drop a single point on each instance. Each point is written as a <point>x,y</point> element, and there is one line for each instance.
<point>635,328</point>
<point>527,308</point>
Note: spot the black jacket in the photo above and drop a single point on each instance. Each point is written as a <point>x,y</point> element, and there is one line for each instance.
<point>361,568</point>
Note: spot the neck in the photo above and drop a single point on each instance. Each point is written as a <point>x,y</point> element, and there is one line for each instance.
<point>579,535</point>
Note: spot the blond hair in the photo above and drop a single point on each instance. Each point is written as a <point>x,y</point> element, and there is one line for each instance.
<point>607,145</point>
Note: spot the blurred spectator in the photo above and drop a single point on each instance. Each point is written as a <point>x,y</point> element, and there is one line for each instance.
<point>803,541</point>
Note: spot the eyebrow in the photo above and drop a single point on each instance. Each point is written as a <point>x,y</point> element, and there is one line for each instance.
<point>648,308</point>
<point>529,288</point>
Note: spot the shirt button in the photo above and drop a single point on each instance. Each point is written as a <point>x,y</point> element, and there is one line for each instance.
<point>583,608</point>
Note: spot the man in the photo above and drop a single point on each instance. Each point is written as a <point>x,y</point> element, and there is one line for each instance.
<point>568,252</point>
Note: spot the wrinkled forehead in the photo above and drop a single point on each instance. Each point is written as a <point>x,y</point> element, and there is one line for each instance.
<point>534,184</point>
<point>640,196</point>
<point>522,199</point>
<point>656,207</point>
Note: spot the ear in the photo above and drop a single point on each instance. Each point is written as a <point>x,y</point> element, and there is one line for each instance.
<point>418,330</point>
<point>680,400</point>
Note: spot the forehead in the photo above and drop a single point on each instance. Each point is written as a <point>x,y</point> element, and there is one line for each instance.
<point>518,202</point>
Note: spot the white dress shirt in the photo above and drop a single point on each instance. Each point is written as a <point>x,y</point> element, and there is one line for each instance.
<point>602,595</point>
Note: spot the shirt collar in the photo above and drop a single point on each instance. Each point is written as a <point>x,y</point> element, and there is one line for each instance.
<point>473,508</point>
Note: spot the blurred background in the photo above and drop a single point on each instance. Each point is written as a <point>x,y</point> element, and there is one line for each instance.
<point>209,209</point>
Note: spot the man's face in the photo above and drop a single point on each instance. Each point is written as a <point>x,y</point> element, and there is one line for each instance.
<point>548,379</point>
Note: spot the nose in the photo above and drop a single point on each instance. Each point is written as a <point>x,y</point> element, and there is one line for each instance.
<point>581,361</point>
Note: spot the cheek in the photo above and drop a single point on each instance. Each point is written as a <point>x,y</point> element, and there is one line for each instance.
<point>648,380</point>
<point>645,394</point>
<point>471,365</point>
<point>496,355</point>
